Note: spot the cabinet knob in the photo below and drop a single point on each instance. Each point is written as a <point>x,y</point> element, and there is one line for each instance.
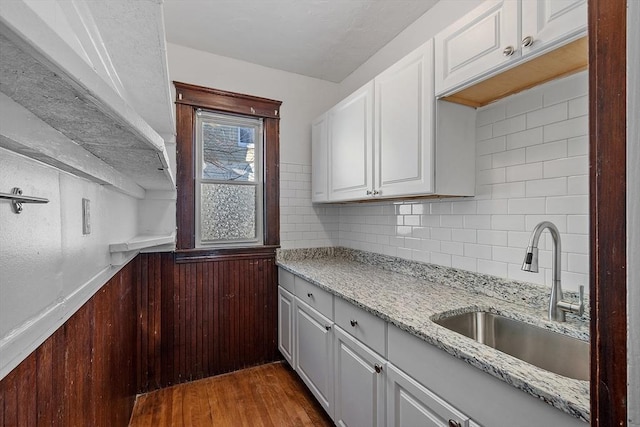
<point>369,192</point>
<point>527,41</point>
<point>378,368</point>
<point>310,295</point>
<point>327,327</point>
<point>376,192</point>
<point>508,51</point>
<point>454,423</point>
<point>353,322</point>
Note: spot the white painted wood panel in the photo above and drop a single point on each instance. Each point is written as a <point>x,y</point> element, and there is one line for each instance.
<point>404,126</point>
<point>351,146</point>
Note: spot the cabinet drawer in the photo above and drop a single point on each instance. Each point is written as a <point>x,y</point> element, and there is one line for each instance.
<point>315,297</point>
<point>364,326</point>
<point>285,279</point>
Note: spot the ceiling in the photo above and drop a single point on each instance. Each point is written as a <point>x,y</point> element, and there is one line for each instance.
<point>326,39</point>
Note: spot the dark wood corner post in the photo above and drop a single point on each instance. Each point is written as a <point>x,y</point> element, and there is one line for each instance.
<point>608,281</point>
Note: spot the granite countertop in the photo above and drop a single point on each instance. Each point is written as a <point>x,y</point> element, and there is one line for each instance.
<point>411,295</point>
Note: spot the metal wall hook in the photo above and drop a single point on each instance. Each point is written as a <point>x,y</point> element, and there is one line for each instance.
<point>17,199</point>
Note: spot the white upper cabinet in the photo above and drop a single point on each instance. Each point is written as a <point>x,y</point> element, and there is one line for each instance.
<point>545,22</point>
<point>351,146</point>
<point>476,43</point>
<point>319,154</point>
<point>500,34</point>
<point>396,144</point>
<point>404,126</point>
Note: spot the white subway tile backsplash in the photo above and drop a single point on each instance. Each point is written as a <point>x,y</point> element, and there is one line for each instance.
<point>451,221</point>
<point>508,190</point>
<point>492,206</point>
<point>578,184</point>
<point>493,145</point>
<point>507,222</point>
<point>494,268</point>
<point>490,114</point>
<point>492,237</point>
<point>578,224</point>
<point>523,103</point>
<point>578,146</point>
<point>565,89</point>
<point>544,116</point>
<point>508,158</point>
<point>531,166</point>
<point>477,222</point>
<point>527,206</point>
<point>548,151</point>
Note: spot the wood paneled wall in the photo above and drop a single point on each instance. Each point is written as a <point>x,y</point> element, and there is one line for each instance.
<point>204,317</point>
<point>84,374</point>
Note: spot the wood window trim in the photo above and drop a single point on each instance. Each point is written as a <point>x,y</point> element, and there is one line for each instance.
<point>189,98</point>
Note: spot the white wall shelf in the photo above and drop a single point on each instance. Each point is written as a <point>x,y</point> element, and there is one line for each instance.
<point>142,242</point>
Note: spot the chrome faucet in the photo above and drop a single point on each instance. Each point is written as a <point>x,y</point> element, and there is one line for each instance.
<point>557,306</point>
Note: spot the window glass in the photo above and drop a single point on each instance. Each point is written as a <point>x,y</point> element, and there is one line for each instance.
<point>229,183</point>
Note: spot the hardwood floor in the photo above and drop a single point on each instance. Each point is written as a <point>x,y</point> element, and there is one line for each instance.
<point>264,396</point>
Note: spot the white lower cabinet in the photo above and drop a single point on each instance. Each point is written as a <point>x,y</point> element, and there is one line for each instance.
<point>314,353</point>
<point>359,383</point>
<point>411,404</point>
<point>285,324</point>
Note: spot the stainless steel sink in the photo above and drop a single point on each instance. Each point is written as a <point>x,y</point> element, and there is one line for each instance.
<point>545,349</point>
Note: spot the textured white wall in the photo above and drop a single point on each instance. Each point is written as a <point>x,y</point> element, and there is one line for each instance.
<point>49,268</point>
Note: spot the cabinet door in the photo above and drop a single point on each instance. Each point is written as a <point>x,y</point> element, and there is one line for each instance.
<point>351,146</point>
<point>285,324</point>
<point>359,383</point>
<point>411,404</point>
<point>476,43</point>
<point>404,131</point>
<point>551,22</point>
<point>314,353</point>
<point>319,159</point>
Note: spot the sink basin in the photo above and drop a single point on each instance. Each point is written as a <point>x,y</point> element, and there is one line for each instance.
<point>545,349</point>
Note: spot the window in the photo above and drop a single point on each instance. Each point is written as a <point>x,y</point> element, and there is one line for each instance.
<point>227,173</point>
<point>228,180</point>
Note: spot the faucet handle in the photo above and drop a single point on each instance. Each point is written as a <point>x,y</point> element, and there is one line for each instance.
<point>573,307</point>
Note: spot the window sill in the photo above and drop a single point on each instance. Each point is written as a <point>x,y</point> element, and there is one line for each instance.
<point>219,254</point>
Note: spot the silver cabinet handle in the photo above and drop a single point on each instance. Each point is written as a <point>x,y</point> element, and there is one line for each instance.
<point>454,423</point>
<point>369,192</point>
<point>353,322</point>
<point>376,192</point>
<point>527,41</point>
<point>508,51</point>
<point>310,295</point>
<point>327,327</point>
<point>378,368</point>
